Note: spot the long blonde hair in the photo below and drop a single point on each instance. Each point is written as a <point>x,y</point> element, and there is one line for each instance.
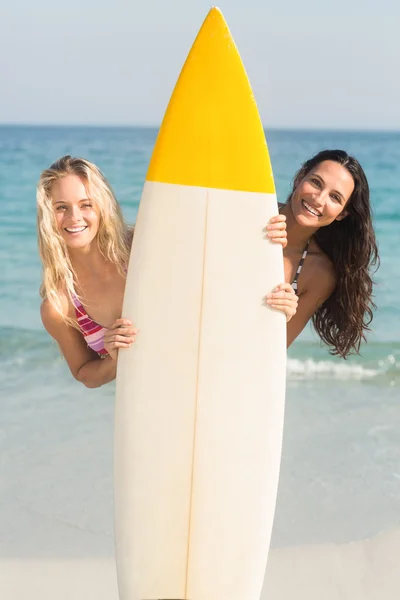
<point>114,235</point>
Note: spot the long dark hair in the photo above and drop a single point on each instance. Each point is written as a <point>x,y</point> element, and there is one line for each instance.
<point>344,318</point>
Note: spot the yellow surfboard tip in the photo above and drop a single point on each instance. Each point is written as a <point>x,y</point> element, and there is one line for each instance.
<point>215,10</point>
<point>212,135</point>
<point>215,13</point>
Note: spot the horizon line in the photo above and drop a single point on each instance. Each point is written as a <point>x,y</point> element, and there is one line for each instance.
<point>306,128</point>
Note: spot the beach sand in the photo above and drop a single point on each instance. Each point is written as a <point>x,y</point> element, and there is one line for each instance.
<point>364,570</point>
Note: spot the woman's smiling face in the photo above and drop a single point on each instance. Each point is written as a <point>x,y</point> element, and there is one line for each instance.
<point>321,196</point>
<point>76,215</point>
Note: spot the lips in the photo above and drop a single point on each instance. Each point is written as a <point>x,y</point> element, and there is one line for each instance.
<point>311,209</point>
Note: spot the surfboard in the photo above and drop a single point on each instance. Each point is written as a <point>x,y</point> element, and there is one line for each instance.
<point>200,395</point>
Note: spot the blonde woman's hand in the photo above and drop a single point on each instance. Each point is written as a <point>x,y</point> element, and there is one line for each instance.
<point>283,298</point>
<point>276,230</point>
<point>121,334</point>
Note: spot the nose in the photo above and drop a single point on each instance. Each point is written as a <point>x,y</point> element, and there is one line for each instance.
<point>75,213</point>
<point>320,197</point>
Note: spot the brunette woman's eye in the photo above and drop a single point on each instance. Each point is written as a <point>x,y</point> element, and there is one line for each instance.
<point>316,181</point>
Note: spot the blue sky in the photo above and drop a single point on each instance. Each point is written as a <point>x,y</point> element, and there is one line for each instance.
<point>311,63</point>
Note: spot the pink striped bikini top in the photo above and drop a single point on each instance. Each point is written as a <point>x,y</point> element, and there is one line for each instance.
<point>92,332</point>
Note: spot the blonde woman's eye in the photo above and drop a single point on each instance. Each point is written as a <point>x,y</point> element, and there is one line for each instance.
<point>61,207</point>
<point>88,205</point>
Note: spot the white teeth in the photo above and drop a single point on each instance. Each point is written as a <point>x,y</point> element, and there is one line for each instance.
<point>75,229</point>
<point>311,209</point>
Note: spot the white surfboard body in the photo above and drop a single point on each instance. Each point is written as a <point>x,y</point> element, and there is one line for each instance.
<point>200,395</point>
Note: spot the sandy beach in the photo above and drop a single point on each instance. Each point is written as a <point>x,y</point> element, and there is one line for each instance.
<point>365,570</point>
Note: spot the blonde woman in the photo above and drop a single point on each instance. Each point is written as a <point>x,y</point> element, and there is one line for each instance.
<point>84,245</point>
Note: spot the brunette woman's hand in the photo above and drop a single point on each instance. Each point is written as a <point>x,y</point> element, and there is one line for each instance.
<point>283,298</point>
<point>276,230</point>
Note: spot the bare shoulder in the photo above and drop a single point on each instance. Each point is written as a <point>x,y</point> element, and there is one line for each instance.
<point>51,318</point>
<point>69,339</point>
<point>319,273</point>
<point>317,282</point>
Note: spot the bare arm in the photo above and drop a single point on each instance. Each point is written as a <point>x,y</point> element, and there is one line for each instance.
<point>322,284</point>
<point>85,365</point>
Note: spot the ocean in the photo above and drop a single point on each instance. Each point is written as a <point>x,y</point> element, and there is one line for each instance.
<point>340,476</point>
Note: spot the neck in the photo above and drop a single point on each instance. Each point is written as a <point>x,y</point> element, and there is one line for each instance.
<point>297,235</point>
<point>87,259</point>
